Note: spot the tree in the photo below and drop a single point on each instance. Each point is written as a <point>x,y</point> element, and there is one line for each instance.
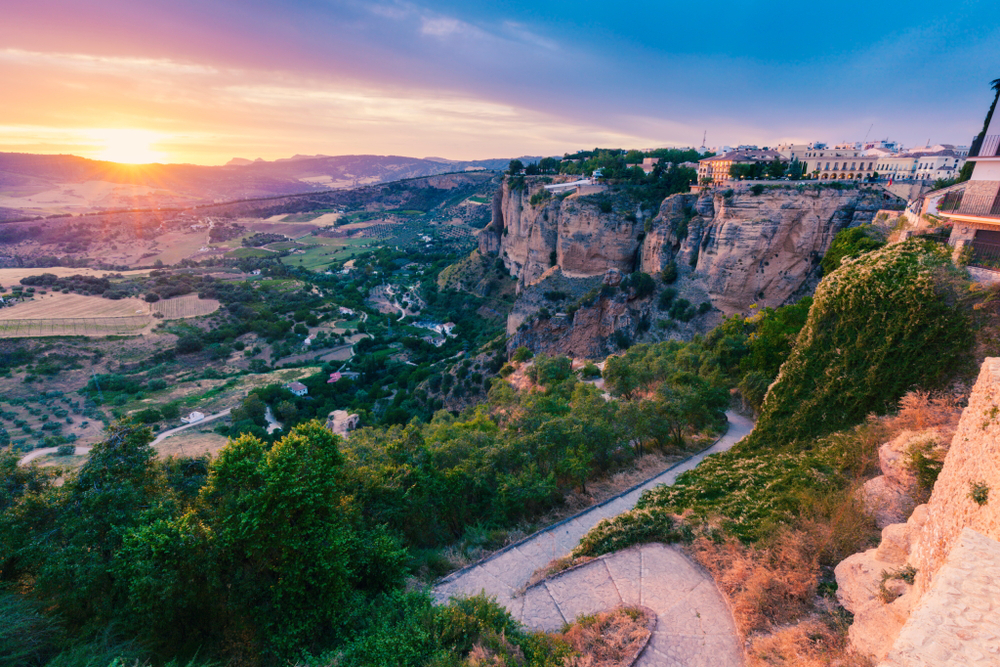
<point>776,168</point>
<point>795,169</point>
<point>515,167</point>
<point>272,560</point>
<point>118,489</point>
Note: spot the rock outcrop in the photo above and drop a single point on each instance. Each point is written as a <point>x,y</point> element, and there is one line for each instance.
<point>582,235</point>
<point>892,496</point>
<point>762,249</point>
<point>747,248</point>
<point>966,495</point>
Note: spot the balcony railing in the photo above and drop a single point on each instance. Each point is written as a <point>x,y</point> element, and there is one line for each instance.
<point>988,147</point>
<point>983,201</point>
<point>985,255</point>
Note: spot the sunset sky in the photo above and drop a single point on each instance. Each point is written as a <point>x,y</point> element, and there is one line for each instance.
<point>203,81</point>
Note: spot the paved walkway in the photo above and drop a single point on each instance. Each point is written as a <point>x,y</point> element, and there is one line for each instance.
<point>507,572</point>
<point>694,626</point>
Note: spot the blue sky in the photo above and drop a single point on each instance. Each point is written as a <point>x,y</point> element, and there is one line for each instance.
<point>209,80</point>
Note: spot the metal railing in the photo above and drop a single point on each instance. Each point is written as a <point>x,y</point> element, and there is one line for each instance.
<point>985,255</point>
<point>988,147</point>
<point>973,203</point>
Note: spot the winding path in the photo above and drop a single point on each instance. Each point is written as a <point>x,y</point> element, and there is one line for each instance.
<point>694,627</point>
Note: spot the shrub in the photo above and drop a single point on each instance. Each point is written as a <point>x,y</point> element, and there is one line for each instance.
<point>66,450</point>
<point>851,243</point>
<point>883,325</point>
<point>667,298</point>
<point>669,273</point>
<point>642,283</point>
<point>188,344</point>
<point>979,492</point>
<point>522,354</point>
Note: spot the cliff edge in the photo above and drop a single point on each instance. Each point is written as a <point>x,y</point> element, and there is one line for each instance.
<point>964,509</point>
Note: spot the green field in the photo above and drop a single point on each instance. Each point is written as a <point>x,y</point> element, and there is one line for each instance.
<point>242,253</point>
<point>320,252</point>
<point>479,200</point>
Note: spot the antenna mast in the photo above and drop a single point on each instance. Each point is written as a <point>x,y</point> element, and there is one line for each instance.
<point>868,132</point>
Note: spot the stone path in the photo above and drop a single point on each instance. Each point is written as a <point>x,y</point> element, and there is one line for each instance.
<point>671,580</point>
<point>694,626</point>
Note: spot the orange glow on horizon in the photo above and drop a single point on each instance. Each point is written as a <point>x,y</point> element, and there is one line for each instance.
<point>127,146</point>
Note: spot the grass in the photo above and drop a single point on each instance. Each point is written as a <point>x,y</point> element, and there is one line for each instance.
<point>321,254</point>
<point>243,253</point>
<point>609,639</point>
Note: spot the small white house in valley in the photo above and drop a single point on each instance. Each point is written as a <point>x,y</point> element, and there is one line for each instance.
<point>297,388</point>
<point>193,417</point>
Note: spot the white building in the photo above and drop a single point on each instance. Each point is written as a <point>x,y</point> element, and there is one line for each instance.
<point>193,417</point>
<point>297,388</point>
<point>921,164</point>
<point>976,212</point>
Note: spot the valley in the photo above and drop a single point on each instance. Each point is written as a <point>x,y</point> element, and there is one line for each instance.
<point>496,359</point>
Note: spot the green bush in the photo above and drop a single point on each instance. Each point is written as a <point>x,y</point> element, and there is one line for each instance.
<point>878,327</point>
<point>851,243</point>
<point>667,298</point>
<point>669,273</point>
<point>522,354</point>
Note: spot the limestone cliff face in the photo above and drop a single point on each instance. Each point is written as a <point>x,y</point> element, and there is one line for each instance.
<point>762,249</point>
<point>745,248</point>
<point>571,232</point>
<point>589,333</point>
<point>925,542</point>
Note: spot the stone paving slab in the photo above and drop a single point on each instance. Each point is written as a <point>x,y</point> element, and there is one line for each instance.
<point>540,612</point>
<point>625,568</point>
<point>584,590</point>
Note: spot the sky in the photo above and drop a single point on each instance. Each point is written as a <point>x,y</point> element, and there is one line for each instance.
<point>203,81</point>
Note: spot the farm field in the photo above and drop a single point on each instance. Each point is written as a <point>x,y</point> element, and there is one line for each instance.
<point>77,315</point>
<point>62,306</point>
<point>193,442</point>
<point>188,305</point>
<point>243,253</point>
<point>319,252</point>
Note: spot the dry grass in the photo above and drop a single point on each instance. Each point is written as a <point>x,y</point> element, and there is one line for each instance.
<point>609,639</point>
<point>192,442</point>
<point>555,567</point>
<point>812,642</point>
<point>767,587</point>
<point>920,410</point>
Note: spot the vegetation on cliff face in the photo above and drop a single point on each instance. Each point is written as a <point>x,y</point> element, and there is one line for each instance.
<point>879,326</point>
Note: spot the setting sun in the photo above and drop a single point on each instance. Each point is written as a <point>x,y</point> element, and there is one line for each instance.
<point>127,146</point>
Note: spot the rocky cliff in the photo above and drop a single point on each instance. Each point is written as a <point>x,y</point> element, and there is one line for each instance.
<point>745,248</point>
<point>966,495</point>
<point>731,249</point>
<point>762,248</point>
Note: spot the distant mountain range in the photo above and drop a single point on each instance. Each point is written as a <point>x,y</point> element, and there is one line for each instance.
<point>32,185</point>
